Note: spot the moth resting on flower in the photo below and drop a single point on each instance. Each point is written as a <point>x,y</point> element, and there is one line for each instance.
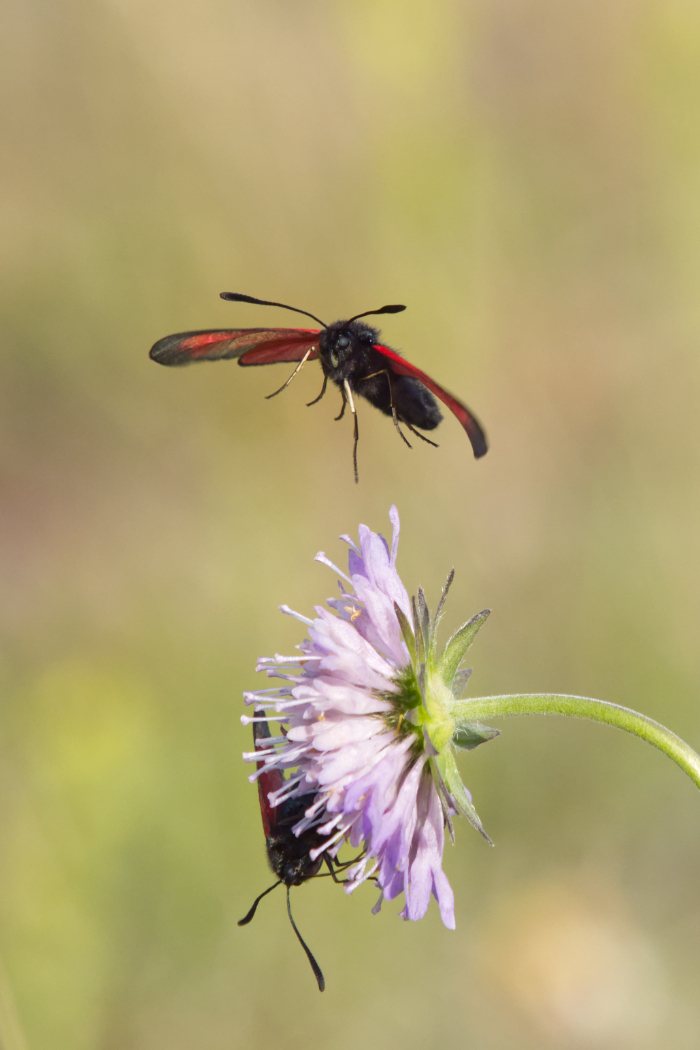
<point>370,721</point>
<point>368,733</point>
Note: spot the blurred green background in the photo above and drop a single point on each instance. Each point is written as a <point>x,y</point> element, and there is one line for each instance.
<point>526,177</point>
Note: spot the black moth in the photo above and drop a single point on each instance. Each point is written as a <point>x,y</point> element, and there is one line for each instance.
<point>351,356</point>
<point>288,855</point>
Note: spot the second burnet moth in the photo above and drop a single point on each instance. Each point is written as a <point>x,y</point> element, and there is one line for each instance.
<point>288,855</point>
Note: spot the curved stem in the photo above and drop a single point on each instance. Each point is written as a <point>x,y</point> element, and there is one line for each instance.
<point>487,707</point>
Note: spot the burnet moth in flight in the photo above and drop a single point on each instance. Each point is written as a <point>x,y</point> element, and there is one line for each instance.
<point>289,855</point>
<point>351,356</point>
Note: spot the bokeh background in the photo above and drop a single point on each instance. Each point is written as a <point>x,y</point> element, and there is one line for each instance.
<point>525,175</point>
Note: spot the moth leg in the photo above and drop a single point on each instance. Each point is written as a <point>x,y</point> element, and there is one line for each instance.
<point>323,390</point>
<point>414,431</point>
<point>341,882</point>
<point>348,395</point>
<point>331,869</point>
<point>298,368</point>
<point>345,401</point>
<point>341,867</point>
<point>385,372</point>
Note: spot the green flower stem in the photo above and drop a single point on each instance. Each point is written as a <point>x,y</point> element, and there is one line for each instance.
<point>487,707</point>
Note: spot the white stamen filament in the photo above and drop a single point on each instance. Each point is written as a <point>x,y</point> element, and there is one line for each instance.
<point>255,756</point>
<point>280,689</point>
<point>246,719</point>
<point>282,758</point>
<point>284,762</point>
<point>318,804</point>
<point>275,797</point>
<point>311,819</point>
<point>278,660</point>
<point>315,853</point>
<point>355,881</point>
<point>329,825</point>
<point>305,824</point>
<point>351,543</point>
<point>298,703</point>
<point>297,616</point>
<point>271,673</point>
<point>322,557</point>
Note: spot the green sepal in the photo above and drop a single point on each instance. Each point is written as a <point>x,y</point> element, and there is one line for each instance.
<point>406,632</point>
<point>438,766</point>
<point>465,806</point>
<point>456,648</point>
<point>471,734</point>
<point>418,632</point>
<point>441,604</point>
<point>420,677</point>
<point>459,683</point>
<point>424,616</point>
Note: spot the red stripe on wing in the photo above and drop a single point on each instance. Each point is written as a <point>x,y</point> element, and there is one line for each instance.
<point>267,782</point>
<point>278,344</point>
<point>282,351</point>
<point>470,423</point>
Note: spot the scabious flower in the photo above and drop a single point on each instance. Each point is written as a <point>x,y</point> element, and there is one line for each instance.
<point>370,729</point>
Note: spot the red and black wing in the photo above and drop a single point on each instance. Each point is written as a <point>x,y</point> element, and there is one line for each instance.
<point>400,366</point>
<point>252,346</point>
<point>270,781</point>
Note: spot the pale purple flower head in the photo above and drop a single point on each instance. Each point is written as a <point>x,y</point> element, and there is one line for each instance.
<point>370,732</point>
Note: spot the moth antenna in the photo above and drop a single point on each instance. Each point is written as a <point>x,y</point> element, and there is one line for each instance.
<point>251,913</point>
<point>238,297</point>
<point>314,965</point>
<point>395,309</point>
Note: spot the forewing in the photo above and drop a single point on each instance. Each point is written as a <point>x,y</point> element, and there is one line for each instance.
<point>272,780</point>
<point>261,346</point>
<point>400,366</point>
<point>284,351</point>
